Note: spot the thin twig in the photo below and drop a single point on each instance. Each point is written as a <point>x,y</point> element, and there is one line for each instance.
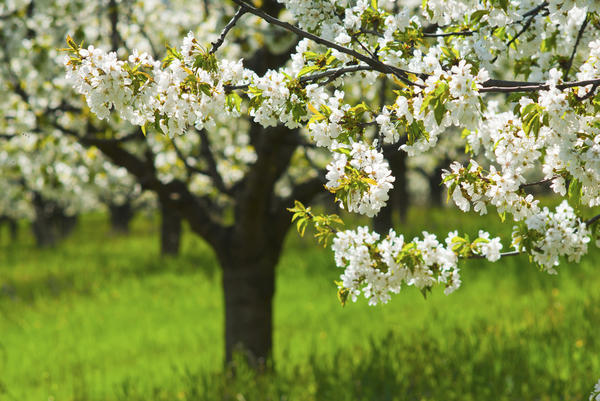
<point>503,254</point>
<point>446,34</point>
<point>579,35</point>
<point>526,26</point>
<point>592,220</point>
<point>531,184</point>
<point>531,14</point>
<point>228,27</point>
<point>535,10</point>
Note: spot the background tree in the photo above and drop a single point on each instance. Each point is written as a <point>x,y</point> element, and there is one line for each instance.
<point>231,181</point>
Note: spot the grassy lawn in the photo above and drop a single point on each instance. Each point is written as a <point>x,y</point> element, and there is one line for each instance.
<point>102,317</point>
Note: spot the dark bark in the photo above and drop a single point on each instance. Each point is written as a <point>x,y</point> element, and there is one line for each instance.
<point>120,217</point>
<point>51,223</point>
<point>170,230</point>
<point>399,197</point>
<point>12,226</point>
<point>436,187</point>
<point>249,287</point>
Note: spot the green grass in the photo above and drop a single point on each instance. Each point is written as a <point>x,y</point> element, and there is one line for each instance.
<point>104,318</point>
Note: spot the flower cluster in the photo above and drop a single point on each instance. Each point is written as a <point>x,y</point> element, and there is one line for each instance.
<point>188,90</point>
<point>361,179</point>
<point>378,267</point>
<point>483,246</point>
<point>547,236</point>
<point>449,98</point>
<point>472,186</point>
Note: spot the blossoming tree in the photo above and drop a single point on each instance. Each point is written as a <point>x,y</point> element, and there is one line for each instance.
<point>516,80</point>
<point>231,180</point>
<point>43,125</point>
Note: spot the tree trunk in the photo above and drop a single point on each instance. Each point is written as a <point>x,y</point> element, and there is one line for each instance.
<point>12,226</point>
<point>50,224</point>
<point>249,289</point>
<point>170,231</point>
<point>120,217</point>
<point>399,197</point>
<point>436,187</point>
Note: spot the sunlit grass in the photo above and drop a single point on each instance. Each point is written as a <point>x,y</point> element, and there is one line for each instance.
<point>104,318</point>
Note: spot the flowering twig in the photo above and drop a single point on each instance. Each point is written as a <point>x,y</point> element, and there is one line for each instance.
<point>374,63</point>
<point>490,86</point>
<point>331,74</point>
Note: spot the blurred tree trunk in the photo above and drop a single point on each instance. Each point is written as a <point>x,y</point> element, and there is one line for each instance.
<point>170,230</point>
<point>436,187</point>
<point>399,197</point>
<point>12,226</point>
<point>51,223</point>
<point>120,216</point>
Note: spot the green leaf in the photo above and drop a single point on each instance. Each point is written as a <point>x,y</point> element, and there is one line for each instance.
<point>574,191</point>
<point>342,293</point>
<point>426,102</point>
<point>307,69</point>
<point>233,101</point>
<point>438,111</point>
<point>477,15</point>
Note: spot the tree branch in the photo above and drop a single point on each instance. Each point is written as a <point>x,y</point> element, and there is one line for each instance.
<point>544,181</point>
<point>216,44</point>
<point>446,34</point>
<point>592,220</point>
<point>374,63</point>
<point>490,86</point>
<point>517,86</point>
<point>579,35</point>
<point>213,171</point>
<point>331,74</point>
